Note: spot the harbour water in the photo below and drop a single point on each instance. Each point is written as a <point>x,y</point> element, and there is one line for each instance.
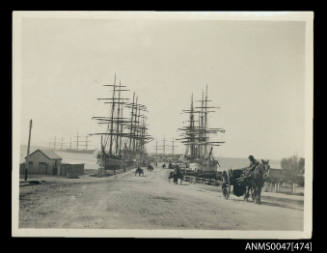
<point>90,159</point>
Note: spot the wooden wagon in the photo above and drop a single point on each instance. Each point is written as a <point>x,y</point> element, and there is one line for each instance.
<point>237,178</point>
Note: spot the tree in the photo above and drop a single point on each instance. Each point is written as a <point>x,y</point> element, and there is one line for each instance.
<point>293,169</point>
<point>301,164</point>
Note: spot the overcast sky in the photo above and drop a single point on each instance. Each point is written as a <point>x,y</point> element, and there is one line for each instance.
<point>254,71</point>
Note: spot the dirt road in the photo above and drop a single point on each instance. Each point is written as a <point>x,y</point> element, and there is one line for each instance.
<point>150,202</point>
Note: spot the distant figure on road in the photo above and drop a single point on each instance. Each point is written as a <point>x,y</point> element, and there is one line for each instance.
<point>177,175</point>
<point>164,166</point>
<point>140,171</point>
<point>171,175</point>
<point>150,167</point>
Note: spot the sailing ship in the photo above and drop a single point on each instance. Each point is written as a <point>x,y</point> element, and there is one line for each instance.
<point>124,138</point>
<point>196,136</point>
<point>82,145</point>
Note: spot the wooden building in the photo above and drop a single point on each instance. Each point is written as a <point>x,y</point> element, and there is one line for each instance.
<point>71,170</point>
<point>44,162</point>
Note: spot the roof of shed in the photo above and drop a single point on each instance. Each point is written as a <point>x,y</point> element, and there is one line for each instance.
<point>48,153</point>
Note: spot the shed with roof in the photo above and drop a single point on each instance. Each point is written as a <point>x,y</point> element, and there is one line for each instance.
<point>44,162</point>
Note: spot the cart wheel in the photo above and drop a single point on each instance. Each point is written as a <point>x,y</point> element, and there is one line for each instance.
<point>226,190</point>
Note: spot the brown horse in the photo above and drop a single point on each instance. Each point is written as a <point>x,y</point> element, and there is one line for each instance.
<point>257,180</point>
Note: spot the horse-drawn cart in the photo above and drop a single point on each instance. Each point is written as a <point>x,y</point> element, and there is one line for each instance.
<point>235,179</point>
<point>245,181</point>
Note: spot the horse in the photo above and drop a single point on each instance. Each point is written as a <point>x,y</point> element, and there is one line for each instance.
<point>246,182</point>
<point>256,181</point>
<point>249,192</point>
<point>140,171</point>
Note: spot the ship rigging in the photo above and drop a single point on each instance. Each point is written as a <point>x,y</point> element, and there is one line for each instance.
<point>124,139</point>
<point>196,135</point>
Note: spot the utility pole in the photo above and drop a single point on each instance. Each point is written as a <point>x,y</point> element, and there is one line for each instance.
<point>28,152</point>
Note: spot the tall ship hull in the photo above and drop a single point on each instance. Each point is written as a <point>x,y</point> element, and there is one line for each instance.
<point>203,165</point>
<point>207,165</point>
<point>110,163</point>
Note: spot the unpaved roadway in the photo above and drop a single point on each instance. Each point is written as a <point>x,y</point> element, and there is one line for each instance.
<point>127,201</point>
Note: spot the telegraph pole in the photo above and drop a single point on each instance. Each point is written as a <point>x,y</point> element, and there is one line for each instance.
<point>28,152</point>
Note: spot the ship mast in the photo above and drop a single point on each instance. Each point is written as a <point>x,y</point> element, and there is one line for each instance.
<point>197,138</point>
<point>111,121</point>
<point>189,136</point>
<point>132,120</point>
<point>112,116</point>
<point>116,123</point>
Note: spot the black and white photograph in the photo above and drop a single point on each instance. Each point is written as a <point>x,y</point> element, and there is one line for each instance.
<point>162,124</point>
